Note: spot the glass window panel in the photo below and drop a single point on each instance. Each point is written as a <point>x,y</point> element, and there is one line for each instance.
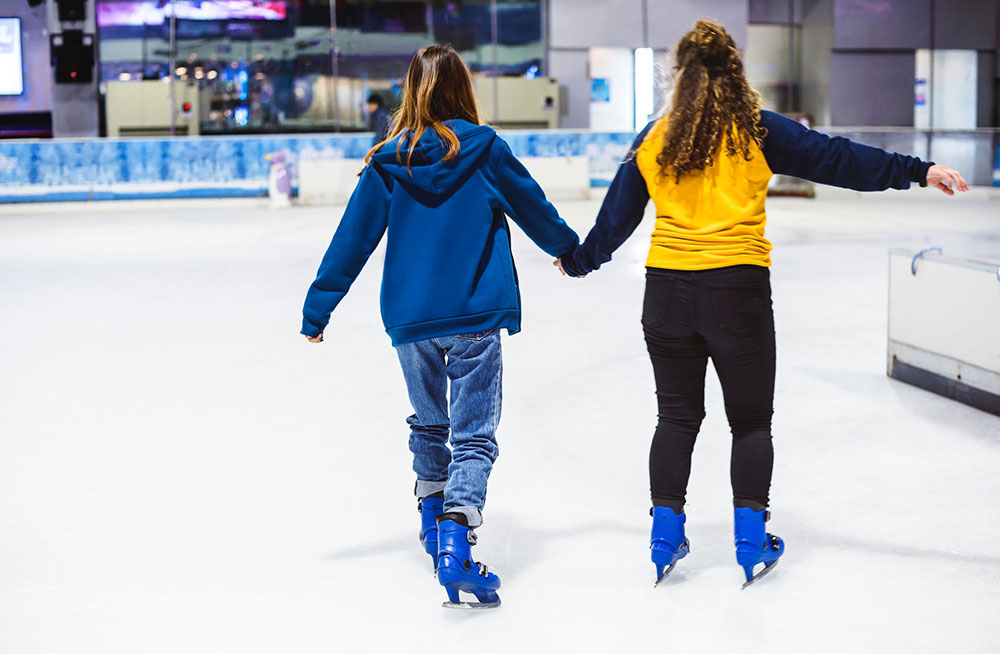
<point>267,66</point>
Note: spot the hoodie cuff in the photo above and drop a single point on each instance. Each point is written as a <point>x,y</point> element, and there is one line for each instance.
<point>309,329</point>
<point>922,172</point>
<point>571,265</point>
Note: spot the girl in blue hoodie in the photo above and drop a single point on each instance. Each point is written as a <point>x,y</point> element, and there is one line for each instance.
<point>440,186</point>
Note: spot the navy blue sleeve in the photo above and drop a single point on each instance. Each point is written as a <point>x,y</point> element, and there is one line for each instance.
<point>791,149</point>
<point>525,203</point>
<point>360,230</point>
<point>620,214</point>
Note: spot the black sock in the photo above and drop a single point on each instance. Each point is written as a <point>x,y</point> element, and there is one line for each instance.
<point>677,506</point>
<point>454,517</point>
<point>749,504</point>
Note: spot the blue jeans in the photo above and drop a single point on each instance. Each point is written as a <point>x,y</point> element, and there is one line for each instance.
<point>473,364</point>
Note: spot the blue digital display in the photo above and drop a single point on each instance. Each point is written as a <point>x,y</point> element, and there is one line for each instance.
<point>241,116</point>
<point>600,90</point>
<point>242,82</point>
<point>11,69</point>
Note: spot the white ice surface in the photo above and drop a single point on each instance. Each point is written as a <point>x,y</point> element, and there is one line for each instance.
<point>180,472</point>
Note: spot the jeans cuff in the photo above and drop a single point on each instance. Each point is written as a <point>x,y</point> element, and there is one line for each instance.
<point>471,513</point>
<point>425,488</point>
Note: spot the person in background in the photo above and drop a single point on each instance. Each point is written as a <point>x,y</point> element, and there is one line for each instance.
<point>378,117</point>
<point>440,187</point>
<point>706,165</point>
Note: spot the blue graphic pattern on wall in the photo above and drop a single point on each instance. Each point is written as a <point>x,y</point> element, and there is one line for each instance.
<point>996,169</point>
<point>226,166</point>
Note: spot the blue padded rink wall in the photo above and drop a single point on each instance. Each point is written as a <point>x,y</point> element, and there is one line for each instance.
<point>207,167</point>
<point>996,168</point>
<point>218,167</point>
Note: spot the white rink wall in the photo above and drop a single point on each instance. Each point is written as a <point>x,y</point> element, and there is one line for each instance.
<point>181,472</point>
<point>331,181</point>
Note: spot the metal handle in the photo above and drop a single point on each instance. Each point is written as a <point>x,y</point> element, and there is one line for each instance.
<point>919,255</point>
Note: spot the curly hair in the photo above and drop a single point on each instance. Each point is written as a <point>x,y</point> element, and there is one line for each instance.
<point>712,99</point>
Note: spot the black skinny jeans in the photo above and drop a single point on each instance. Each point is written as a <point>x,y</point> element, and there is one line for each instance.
<point>688,317</point>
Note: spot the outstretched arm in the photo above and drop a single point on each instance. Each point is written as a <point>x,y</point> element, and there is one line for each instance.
<point>791,149</point>
<point>620,214</point>
<point>360,230</point>
<point>525,203</point>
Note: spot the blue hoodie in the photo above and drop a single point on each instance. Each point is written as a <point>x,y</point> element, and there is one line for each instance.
<point>448,264</point>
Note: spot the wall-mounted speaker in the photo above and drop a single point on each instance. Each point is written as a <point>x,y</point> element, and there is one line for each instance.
<point>73,57</point>
<point>72,10</point>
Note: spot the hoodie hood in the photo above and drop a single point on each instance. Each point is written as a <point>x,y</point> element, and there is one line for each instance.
<point>427,171</point>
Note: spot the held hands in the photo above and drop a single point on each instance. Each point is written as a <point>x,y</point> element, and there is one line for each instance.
<point>558,264</point>
<point>315,339</point>
<point>946,179</point>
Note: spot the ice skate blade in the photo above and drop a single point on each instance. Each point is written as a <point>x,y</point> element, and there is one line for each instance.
<point>664,575</point>
<point>466,606</point>
<point>760,574</point>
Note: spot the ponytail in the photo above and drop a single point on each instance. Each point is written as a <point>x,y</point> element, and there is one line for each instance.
<point>712,101</point>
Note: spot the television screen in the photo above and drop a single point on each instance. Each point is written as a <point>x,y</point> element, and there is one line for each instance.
<point>11,71</point>
<point>200,29</point>
<point>135,12</point>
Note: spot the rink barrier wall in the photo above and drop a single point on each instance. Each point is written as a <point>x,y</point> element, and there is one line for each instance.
<point>230,166</point>
<point>331,181</point>
<point>944,317</point>
<point>996,168</point>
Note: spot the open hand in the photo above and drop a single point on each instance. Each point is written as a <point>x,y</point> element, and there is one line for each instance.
<point>315,339</point>
<point>946,179</point>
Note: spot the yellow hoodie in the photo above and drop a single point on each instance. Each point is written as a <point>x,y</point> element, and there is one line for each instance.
<point>711,218</point>
<point>715,217</point>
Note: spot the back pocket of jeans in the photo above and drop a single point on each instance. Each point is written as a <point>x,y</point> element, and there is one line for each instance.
<point>656,303</point>
<point>739,308</point>
<point>475,336</point>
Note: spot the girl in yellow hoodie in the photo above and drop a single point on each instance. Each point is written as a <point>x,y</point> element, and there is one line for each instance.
<point>706,166</point>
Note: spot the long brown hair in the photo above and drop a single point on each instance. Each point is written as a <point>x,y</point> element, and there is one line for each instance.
<point>438,88</point>
<point>712,99</point>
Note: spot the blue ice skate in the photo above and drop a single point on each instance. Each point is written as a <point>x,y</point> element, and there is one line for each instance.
<point>456,570</point>
<point>753,544</point>
<point>667,544</point>
<point>430,508</point>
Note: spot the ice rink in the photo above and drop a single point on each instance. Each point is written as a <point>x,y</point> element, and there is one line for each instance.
<point>181,472</point>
